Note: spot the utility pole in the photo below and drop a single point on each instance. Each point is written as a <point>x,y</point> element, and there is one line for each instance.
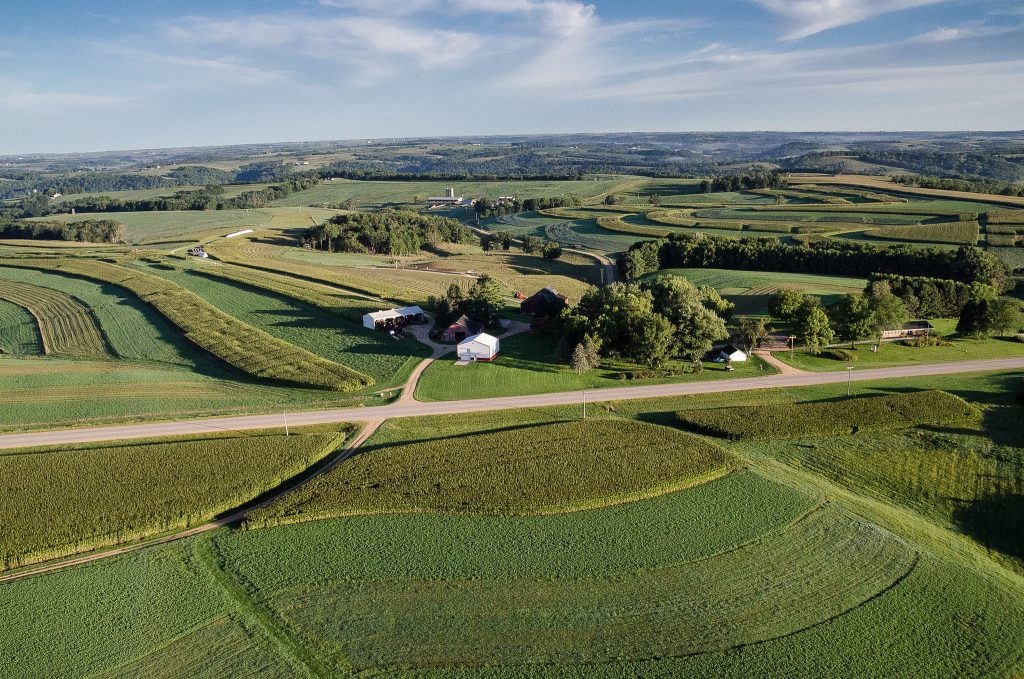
<point>584,404</point>
<point>285,423</point>
<point>849,379</point>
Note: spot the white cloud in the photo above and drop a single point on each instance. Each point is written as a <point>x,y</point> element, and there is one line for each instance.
<point>967,31</point>
<point>27,101</point>
<point>560,16</point>
<point>807,17</point>
<point>356,39</point>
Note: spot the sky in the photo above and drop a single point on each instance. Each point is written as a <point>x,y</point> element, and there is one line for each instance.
<point>121,74</point>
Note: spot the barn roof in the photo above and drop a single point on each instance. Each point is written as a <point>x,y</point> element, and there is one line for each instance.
<point>482,338</point>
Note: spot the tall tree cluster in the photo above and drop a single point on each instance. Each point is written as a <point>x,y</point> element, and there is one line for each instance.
<point>651,322</point>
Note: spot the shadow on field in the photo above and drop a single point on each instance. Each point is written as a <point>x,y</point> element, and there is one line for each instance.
<point>996,521</point>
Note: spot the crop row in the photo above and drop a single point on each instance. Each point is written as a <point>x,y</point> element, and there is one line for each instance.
<point>535,470</point>
<point>66,327</point>
<point>617,224</point>
<point>829,418</point>
<point>59,502</point>
<point>1007,229</point>
<point>954,233</point>
<point>239,344</point>
<point>1005,217</point>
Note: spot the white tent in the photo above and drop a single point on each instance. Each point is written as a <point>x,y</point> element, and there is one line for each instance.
<point>371,319</point>
<point>482,347</point>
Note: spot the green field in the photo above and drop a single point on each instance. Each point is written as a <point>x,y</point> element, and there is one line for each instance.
<point>526,365</point>
<point>66,500</point>
<point>751,290</point>
<point>821,558</point>
<point>66,327</point>
<point>898,353</point>
<point>337,339</point>
<point>193,225</point>
<point>570,466</point>
<point>19,332</point>
<point>250,350</point>
<point>830,418</point>
<point>379,193</point>
<point>132,328</point>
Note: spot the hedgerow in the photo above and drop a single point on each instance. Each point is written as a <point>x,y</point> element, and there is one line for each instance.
<point>829,418</point>
<point>239,344</point>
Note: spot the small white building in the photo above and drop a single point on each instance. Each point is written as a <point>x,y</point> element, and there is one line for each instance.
<point>732,353</point>
<point>481,347</point>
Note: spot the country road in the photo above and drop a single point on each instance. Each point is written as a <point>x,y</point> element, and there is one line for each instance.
<point>420,409</point>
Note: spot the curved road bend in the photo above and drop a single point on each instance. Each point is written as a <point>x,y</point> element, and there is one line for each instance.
<point>419,409</point>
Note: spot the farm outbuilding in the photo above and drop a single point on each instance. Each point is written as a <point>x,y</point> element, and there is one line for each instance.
<point>545,302</point>
<point>481,347</point>
<point>461,328</point>
<point>911,329</point>
<point>731,353</point>
<point>390,319</point>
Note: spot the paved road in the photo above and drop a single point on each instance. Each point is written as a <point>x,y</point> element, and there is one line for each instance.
<point>419,409</point>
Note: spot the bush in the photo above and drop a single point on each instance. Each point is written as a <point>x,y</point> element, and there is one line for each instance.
<point>845,355</point>
<point>829,418</point>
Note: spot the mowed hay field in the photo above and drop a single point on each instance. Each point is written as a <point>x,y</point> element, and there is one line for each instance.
<point>19,332</point>
<point>250,350</point>
<point>133,329</point>
<point>66,327</point>
<point>342,340</point>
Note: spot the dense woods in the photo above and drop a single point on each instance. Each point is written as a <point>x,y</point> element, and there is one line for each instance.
<point>385,232</point>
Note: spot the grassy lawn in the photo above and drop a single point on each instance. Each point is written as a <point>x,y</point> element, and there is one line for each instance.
<point>897,353</point>
<point>526,366</point>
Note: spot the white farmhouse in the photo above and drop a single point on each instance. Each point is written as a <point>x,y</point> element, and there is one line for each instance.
<point>482,347</point>
<point>731,353</point>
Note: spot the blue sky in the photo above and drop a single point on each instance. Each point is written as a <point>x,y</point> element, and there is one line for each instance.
<point>108,74</point>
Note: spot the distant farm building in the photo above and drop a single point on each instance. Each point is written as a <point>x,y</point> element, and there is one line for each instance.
<point>449,198</point>
<point>911,329</point>
<point>461,328</point>
<point>198,252</point>
<point>238,233</point>
<point>544,302</point>
<point>481,347</point>
<point>392,319</point>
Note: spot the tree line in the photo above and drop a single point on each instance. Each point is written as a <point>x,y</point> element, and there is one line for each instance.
<point>385,232</point>
<point>976,185</point>
<point>743,182</point>
<point>485,207</point>
<point>830,256</point>
<point>207,198</point>
<point>85,231</point>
